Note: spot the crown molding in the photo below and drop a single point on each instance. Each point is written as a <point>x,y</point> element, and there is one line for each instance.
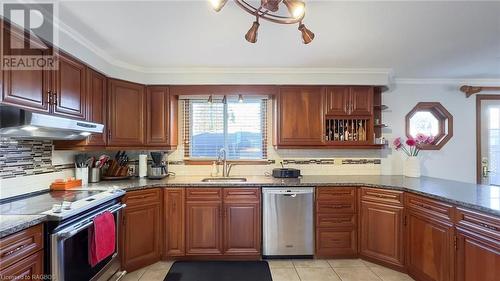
<point>447,81</point>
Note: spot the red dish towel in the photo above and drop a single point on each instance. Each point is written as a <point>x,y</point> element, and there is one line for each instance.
<point>102,237</point>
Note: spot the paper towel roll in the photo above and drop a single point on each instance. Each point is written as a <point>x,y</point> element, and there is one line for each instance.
<point>143,165</point>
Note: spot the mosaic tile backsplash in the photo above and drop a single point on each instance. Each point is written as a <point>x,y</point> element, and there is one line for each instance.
<point>25,157</point>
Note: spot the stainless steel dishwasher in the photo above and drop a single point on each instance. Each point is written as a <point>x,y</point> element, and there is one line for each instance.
<point>288,228</point>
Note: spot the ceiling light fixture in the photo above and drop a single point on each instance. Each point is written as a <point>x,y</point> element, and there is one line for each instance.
<point>210,99</point>
<point>240,98</point>
<point>269,10</point>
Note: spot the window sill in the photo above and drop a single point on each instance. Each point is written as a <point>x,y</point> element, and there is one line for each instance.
<point>237,162</point>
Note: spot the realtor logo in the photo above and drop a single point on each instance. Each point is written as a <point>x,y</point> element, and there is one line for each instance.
<point>28,36</point>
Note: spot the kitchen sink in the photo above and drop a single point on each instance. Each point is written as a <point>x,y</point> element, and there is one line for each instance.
<point>224,180</point>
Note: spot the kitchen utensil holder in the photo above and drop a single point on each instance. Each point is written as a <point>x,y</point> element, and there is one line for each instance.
<point>82,174</point>
<point>95,175</point>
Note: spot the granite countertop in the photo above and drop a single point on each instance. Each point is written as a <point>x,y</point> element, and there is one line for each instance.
<point>477,197</point>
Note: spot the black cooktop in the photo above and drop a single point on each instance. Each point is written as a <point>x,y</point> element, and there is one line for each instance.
<point>38,203</point>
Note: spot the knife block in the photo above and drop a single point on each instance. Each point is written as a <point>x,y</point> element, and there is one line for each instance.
<point>115,170</point>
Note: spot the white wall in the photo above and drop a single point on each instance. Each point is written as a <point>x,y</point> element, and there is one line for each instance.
<point>457,159</point>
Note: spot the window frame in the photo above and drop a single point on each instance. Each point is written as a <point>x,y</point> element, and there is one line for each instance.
<point>445,123</point>
<point>187,128</point>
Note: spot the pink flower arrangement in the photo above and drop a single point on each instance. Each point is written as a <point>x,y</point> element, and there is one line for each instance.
<point>414,144</point>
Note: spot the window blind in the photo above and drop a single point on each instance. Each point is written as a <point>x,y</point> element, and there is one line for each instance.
<point>239,127</point>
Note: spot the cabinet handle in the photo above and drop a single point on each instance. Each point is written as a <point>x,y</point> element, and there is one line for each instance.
<point>17,249</point>
<point>49,98</point>
<point>54,99</point>
<point>488,226</point>
<point>109,134</point>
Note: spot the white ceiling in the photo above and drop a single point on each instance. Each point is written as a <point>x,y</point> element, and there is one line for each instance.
<point>415,39</point>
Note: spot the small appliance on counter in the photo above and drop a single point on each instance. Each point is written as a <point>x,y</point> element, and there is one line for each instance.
<point>286,172</point>
<point>158,169</point>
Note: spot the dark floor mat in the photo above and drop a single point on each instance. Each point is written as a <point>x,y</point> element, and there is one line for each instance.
<point>219,271</point>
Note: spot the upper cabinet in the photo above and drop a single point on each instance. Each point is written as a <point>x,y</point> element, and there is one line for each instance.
<point>27,89</point>
<point>329,117</point>
<point>161,121</point>
<point>96,109</point>
<point>348,101</point>
<point>126,110</point>
<point>299,114</point>
<point>69,94</point>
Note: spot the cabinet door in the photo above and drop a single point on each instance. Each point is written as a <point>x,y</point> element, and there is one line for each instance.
<point>203,228</point>
<point>174,222</point>
<point>382,232</point>
<point>28,89</point>
<point>69,88</point>
<point>141,236</point>
<point>300,116</point>
<point>126,113</point>
<point>478,257</point>
<point>337,101</point>
<point>429,253</point>
<point>361,101</point>
<point>97,105</point>
<point>30,268</point>
<point>242,228</point>
<point>158,116</point>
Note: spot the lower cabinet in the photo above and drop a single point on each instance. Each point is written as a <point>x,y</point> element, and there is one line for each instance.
<point>141,229</point>
<point>21,255</point>
<point>212,222</point>
<point>204,228</point>
<point>174,222</point>
<point>429,239</point>
<point>478,247</point>
<point>381,228</point>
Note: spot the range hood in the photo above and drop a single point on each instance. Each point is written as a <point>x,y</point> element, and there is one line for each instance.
<point>20,123</point>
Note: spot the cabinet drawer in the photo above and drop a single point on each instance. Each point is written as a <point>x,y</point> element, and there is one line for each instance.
<point>488,225</point>
<point>382,196</point>
<point>335,207</point>
<point>331,243</point>
<point>18,246</point>
<point>142,196</point>
<point>203,194</point>
<point>336,194</point>
<point>429,206</point>
<point>241,194</point>
<point>334,220</point>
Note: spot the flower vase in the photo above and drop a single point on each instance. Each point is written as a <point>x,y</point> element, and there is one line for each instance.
<point>412,167</point>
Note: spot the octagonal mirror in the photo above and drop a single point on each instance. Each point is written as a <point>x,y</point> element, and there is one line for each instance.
<point>430,119</point>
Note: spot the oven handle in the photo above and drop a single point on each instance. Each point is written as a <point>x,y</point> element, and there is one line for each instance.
<point>73,230</point>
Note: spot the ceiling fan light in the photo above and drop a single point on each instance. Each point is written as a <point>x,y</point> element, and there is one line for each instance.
<point>251,35</point>
<point>296,8</point>
<point>217,5</point>
<point>307,35</point>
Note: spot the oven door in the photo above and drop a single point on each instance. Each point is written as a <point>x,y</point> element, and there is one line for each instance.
<point>70,246</point>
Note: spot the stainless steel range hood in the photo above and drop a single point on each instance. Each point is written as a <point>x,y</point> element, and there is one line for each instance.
<point>19,123</point>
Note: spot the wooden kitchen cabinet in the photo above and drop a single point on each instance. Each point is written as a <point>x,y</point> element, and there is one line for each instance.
<point>97,105</point>
<point>478,246</point>
<point>141,231</point>
<point>204,228</point>
<point>161,121</point>
<point>174,208</point>
<point>242,223</point>
<point>346,101</point>
<point>429,239</point>
<point>22,255</point>
<point>299,113</point>
<point>381,228</point>
<point>126,114</point>
<point>223,222</point>
<point>27,89</point>
<point>69,88</point>
<point>336,222</point>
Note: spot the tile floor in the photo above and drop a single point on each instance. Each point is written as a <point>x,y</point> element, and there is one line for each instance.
<point>297,270</point>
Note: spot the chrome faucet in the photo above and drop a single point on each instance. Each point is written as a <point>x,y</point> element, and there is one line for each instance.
<point>222,157</point>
